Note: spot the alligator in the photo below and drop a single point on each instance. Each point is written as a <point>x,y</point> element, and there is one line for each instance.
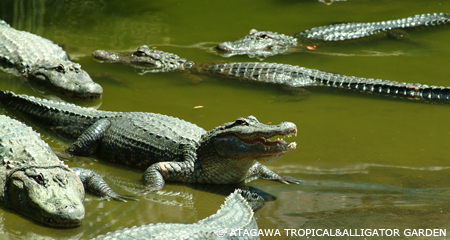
<point>274,73</point>
<point>236,213</point>
<point>167,148</point>
<point>264,43</point>
<point>35,183</point>
<point>43,63</point>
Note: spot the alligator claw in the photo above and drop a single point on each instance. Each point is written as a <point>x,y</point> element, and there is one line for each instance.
<point>120,198</point>
<point>288,180</point>
<point>151,189</point>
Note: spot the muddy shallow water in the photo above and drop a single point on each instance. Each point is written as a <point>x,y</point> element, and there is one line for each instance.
<point>368,161</point>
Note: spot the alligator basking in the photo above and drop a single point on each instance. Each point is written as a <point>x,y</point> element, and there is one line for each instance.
<point>236,213</point>
<point>167,148</point>
<point>43,62</point>
<point>274,73</point>
<point>34,182</point>
<point>265,43</point>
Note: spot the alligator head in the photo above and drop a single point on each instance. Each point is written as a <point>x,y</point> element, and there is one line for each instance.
<point>52,196</point>
<point>66,77</point>
<point>258,44</point>
<point>146,58</point>
<point>238,145</point>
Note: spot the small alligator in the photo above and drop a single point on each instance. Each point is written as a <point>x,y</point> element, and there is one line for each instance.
<point>265,43</point>
<point>167,148</point>
<point>34,182</point>
<point>236,213</point>
<point>274,73</point>
<point>44,63</point>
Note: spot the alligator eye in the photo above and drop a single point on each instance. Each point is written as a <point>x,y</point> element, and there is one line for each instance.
<point>240,121</point>
<point>60,68</point>
<point>39,179</point>
<point>264,35</point>
<point>139,53</point>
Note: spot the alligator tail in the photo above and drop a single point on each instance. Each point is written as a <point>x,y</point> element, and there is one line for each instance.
<point>408,90</point>
<point>254,200</point>
<point>346,31</point>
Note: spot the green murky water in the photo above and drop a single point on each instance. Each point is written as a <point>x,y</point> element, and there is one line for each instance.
<point>369,162</point>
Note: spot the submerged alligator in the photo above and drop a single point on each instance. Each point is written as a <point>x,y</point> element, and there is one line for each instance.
<point>265,43</point>
<point>35,183</point>
<point>167,148</point>
<point>236,213</point>
<point>274,73</point>
<point>44,63</point>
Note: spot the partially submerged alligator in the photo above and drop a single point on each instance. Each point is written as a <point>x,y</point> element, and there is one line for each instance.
<point>35,183</point>
<point>274,73</point>
<point>265,43</point>
<point>236,213</point>
<point>167,148</point>
<point>43,62</point>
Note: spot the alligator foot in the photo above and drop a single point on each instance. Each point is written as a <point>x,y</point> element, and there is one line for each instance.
<point>153,178</point>
<point>96,185</point>
<point>261,171</point>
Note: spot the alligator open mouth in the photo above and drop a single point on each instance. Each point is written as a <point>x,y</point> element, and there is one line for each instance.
<point>272,142</point>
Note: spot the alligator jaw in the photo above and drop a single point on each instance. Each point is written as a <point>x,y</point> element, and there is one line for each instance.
<point>67,78</point>
<point>62,223</point>
<point>273,147</point>
<point>257,44</point>
<point>252,143</point>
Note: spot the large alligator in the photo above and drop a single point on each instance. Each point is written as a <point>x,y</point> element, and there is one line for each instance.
<point>274,73</point>
<point>34,182</point>
<point>265,43</point>
<point>167,148</point>
<point>234,220</point>
<point>44,63</point>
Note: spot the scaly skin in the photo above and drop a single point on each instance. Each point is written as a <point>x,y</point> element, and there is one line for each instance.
<point>265,43</point>
<point>144,57</point>
<point>167,148</point>
<point>294,76</point>
<point>34,182</point>
<point>235,213</point>
<point>42,61</point>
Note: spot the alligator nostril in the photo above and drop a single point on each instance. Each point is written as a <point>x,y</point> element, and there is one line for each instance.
<point>72,212</point>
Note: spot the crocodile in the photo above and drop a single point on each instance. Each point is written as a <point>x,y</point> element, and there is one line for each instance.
<point>43,63</point>
<point>35,183</point>
<point>265,43</point>
<point>167,148</point>
<point>274,73</point>
<point>236,213</point>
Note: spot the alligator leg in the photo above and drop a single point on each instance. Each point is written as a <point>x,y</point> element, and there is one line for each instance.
<point>88,142</point>
<point>96,185</point>
<point>260,171</point>
<point>154,176</point>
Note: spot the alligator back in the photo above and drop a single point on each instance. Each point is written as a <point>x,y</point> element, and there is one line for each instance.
<point>295,76</point>
<point>346,31</point>
<point>24,50</point>
<point>68,120</point>
<point>143,137</point>
<point>234,214</point>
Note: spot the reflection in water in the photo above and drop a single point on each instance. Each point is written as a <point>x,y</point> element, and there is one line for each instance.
<point>26,15</point>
